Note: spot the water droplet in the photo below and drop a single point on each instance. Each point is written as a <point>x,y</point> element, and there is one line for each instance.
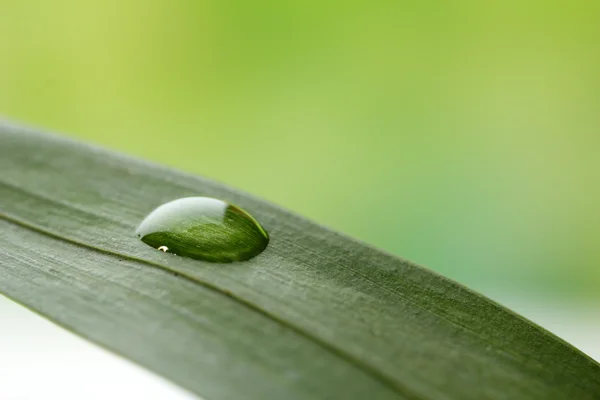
<point>205,229</point>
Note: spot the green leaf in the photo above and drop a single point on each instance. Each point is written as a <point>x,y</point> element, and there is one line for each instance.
<point>315,316</point>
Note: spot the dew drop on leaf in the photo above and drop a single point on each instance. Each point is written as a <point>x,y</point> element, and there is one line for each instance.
<point>205,229</point>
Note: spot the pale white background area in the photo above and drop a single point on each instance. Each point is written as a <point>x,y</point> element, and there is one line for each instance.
<point>39,360</point>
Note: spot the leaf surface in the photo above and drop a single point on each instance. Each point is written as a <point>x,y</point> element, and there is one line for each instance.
<point>317,315</point>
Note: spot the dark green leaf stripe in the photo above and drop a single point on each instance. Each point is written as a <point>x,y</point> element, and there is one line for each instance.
<point>315,316</point>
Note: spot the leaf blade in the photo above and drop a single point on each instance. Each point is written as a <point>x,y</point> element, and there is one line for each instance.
<point>416,332</point>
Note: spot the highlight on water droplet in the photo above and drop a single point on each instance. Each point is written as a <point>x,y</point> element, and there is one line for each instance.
<point>205,229</point>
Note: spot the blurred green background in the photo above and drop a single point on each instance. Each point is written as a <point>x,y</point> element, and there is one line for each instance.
<point>463,135</point>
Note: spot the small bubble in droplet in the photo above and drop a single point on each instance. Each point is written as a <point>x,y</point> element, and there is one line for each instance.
<point>205,229</point>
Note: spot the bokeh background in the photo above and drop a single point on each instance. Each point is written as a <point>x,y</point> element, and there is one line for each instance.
<point>462,135</point>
